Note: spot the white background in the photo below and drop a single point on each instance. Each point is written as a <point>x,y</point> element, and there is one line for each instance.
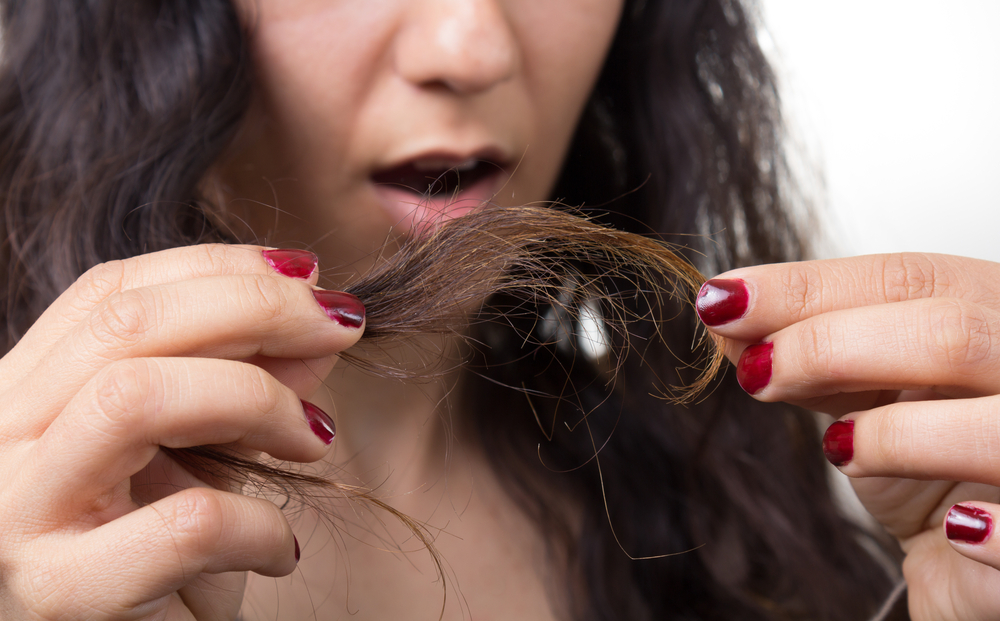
<point>897,102</point>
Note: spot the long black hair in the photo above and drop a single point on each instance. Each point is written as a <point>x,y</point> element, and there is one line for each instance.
<point>682,140</point>
<point>111,113</point>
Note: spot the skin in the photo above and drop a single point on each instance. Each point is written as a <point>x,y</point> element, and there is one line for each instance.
<point>155,351</point>
<point>104,386</point>
<point>906,347</point>
<point>209,345</point>
<point>400,79</point>
<point>431,76</point>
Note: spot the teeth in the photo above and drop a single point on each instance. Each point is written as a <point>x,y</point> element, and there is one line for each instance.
<point>438,165</point>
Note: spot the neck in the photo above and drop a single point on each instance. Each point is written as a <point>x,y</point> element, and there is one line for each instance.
<point>393,435</point>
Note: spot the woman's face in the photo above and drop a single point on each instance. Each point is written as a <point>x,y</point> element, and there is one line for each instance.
<point>364,107</point>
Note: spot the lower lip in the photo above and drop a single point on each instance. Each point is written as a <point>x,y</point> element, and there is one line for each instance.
<point>411,212</point>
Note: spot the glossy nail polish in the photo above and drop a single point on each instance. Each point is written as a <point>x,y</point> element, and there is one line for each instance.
<point>298,552</point>
<point>343,308</point>
<point>321,424</point>
<point>753,371</point>
<point>292,263</point>
<point>968,524</point>
<point>838,442</point>
<point>722,300</point>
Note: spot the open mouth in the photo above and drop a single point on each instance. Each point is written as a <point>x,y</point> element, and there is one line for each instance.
<point>437,178</point>
<point>425,191</point>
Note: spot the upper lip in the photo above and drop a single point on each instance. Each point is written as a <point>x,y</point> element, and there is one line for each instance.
<point>444,159</point>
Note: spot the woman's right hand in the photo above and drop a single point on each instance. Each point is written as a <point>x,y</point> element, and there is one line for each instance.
<point>206,345</point>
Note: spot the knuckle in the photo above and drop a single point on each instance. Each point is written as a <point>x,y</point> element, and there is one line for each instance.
<point>124,392</point>
<point>264,395</point>
<point>212,259</point>
<point>264,298</point>
<point>961,336</point>
<point>910,276</point>
<point>124,319</point>
<point>196,521</point>
<point>803,284</point>
<point>99,282</point>
<point>891,437</point>
<point>819,346</point>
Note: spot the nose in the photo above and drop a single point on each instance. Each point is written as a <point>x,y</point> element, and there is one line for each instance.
<point>467,46</point>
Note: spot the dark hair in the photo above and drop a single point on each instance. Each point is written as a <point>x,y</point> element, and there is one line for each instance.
<point>111,113</point>
<point>687,111</point>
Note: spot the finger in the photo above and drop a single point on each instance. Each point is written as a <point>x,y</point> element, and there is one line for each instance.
<point>946,440</point>
<point>113,428</point>
<point>167,473</point>
<point>749,303</point>
<point>969,528</point>
<point>232,317</point>
<point>215,597</point>
<point>940,344</point>
<point>168,266</point>
<point>304,377</point>
<point>156,550</point>
<point>944,585</point>
<point>908,507</point>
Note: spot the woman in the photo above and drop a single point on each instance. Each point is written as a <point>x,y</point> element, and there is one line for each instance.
<point>159,126</point>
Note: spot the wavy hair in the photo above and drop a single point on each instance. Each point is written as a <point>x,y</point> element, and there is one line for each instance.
<point>111,113</point>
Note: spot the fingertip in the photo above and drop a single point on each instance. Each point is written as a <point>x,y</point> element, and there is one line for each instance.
<point>319,422</point>
<point>838,442</point>
<point>755,367</point>
<point>969,527</point>
<point>293,263</point>
<point>722,300</point>
<point>344,308</point>
<point>966,523</point>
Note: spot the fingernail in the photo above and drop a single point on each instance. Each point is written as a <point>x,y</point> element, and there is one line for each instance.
<point>292,263</point>
<point>838,442</point>
<point>968,524</point>
<point>722,300</point>
<point>753,371</point>
<point>343,308</point>
<point>321,424</point>
<point>298,552</point>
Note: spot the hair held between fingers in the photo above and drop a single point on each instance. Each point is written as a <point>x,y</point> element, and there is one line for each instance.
<point>543,257</point>
<point>437,283</point>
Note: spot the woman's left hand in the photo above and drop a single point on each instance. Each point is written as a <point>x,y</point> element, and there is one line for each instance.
<point>906,348</point>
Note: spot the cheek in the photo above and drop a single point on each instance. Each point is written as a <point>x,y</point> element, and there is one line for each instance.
<point>564,44</point>
<point>310,84</point>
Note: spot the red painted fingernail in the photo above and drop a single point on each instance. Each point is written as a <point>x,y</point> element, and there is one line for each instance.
<point>321,424</point>
<point>968,524</point>
<point>838,442</point>
<point>298,552</point>
<point>292,263</point>
<point>343,308</point>
<point>722,300</point>
<point>754,368</point>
